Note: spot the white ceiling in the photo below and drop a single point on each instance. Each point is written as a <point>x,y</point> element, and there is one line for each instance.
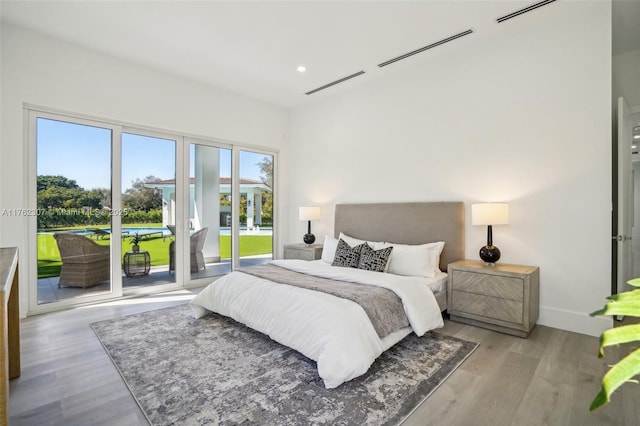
<point>253,48</point>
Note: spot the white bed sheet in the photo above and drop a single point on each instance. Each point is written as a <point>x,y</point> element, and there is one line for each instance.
<point>334,332</point>
<point>439,282</point>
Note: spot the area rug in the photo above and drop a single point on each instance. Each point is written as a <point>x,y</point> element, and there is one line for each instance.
<point>184,371</point>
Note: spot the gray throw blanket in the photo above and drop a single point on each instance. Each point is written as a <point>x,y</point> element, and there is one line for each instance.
<point>382,305</point>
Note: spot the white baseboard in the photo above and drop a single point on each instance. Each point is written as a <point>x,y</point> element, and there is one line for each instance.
<point>578,322</point>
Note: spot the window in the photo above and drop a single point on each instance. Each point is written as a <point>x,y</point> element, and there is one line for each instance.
<point>189,213</point>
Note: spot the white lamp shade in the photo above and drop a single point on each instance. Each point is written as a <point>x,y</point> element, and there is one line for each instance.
<point>309,213</point>
<point>490,214</point>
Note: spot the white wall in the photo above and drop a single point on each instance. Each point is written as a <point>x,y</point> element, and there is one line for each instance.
<point>48,73</point>
<point>522,116</point>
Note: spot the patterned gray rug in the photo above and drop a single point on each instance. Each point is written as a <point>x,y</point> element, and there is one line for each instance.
<point>214,370</point>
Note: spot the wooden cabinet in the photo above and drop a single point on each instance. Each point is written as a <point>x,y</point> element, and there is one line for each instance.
<point>9,327</point>
<point>504,297</point>
<point>303,251</point>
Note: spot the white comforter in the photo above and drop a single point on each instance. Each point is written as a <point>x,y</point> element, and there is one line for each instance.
<point>334,332</point>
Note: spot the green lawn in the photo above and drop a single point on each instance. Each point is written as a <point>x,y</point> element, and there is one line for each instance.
<point>49,261</point>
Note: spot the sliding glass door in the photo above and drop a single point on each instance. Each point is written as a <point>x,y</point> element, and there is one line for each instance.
<point>256,208</point>
<point>208,249</point>
<point>74,211</point>
<point>183,210</point>
<point>149,206</point>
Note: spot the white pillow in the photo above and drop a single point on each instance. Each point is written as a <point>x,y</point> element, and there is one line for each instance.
<point>329,249</point>
<point>415,260</point>
<point>356,242</point>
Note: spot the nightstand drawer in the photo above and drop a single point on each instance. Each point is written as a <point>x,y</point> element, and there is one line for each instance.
<point>501,286</point>
<point>502,297</point>
<point>303,251</point>
<point>478,305</point>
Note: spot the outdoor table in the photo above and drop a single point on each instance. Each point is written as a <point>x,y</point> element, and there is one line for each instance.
<point>136,263</point>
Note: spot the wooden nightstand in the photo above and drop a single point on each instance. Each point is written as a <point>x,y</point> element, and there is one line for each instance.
<point>303,251</point>
<point>504,297</point>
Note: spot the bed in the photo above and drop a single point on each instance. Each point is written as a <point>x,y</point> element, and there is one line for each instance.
<point>342,336</point>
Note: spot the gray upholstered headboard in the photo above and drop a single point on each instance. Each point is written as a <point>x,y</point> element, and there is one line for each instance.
<point>406,223</point>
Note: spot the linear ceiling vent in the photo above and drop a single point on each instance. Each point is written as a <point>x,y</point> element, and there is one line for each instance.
<point>422,49</point>
<point>525,10</point>
<point>333,83</point>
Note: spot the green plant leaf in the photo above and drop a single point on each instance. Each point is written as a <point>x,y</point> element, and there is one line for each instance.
<point>626,296</point>
<point>634,282</point>
<point>620,373</point>
<point>618,335</point>
<point>631,308</point>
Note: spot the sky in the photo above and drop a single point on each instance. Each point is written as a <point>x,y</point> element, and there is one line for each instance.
<point>83,153</point>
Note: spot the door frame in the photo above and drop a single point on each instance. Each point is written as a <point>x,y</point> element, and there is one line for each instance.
<point>32,114</point>
<point>183,140</point>
<point>622,198</point>
<point>179,140</point>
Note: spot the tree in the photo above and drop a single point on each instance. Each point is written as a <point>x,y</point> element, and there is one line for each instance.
<point>67,200</point>
<point>266,176</point>
<point>225,200</point>
<point>266,170</point>
<point>103,195</point>
<point>61,192</point>
<point>139,197</point>
<point>61,197</point>
<point>48,181</point>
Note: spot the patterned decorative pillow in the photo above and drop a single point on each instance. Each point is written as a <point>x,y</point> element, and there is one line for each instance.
<point>374,260</point>
<point>347,256</point>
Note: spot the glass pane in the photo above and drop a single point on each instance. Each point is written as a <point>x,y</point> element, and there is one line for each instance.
<point>209,210</point>
<point>148,201</point>
<point>74,203</point>
<point>256,208</point>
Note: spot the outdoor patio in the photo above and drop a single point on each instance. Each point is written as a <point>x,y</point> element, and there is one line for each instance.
<point>48,291</point>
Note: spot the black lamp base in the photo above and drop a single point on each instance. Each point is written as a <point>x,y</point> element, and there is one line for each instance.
<point>490,255</point>
<point>309,238</point>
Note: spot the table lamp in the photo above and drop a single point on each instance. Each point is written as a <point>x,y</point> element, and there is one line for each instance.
<point>490,214</point>
<point>309,214</point>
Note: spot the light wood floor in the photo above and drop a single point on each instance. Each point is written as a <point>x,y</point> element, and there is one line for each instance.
<point>548,379</point>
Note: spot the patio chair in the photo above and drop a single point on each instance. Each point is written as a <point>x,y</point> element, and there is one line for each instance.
<point>172,229</point>
<point>99,233</point>
<point>195,248</point>
<point>84,262</point>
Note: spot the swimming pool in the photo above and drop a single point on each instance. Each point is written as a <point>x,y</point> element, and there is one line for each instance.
<point>127,230</point>
<point>244,231</point>
<point>166,232</point>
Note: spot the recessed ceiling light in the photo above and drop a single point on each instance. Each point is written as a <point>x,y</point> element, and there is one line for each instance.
<point>301,68</point>
<point>633,147</point>
<point>636,136</point>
